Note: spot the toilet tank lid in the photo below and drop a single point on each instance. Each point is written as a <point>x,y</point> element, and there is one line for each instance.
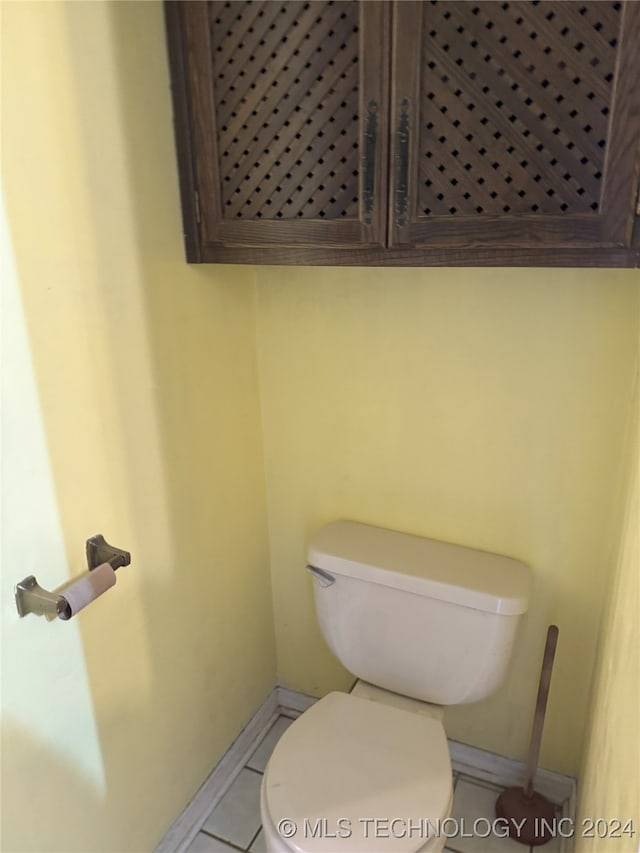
<point>439,570</point>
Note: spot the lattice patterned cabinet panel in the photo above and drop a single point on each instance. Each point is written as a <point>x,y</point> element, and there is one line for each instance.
<point>514,107</point>
<point>286,105</point>
<point>521,122</point>
<point>287,126</point>
<point>439,132</point>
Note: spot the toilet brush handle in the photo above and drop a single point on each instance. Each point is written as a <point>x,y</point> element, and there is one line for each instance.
<point>541,707</point>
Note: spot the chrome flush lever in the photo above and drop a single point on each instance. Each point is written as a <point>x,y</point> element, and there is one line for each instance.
<point>324,578</point>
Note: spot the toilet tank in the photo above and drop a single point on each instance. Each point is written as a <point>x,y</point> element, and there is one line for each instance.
<point>423,618</point>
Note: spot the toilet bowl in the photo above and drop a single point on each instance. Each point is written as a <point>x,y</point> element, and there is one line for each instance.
<point>422,624</point>
<point>360,775</point>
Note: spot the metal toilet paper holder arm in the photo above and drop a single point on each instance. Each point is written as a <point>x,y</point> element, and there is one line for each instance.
<point>32,598</point>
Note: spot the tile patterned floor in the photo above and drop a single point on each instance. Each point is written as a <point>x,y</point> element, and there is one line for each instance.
<point>234,824</point>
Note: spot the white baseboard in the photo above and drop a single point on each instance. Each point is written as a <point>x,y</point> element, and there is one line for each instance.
<point>187,825</point>
<point>506,772</point>
<point>474,762</point>
<point>292,703</point>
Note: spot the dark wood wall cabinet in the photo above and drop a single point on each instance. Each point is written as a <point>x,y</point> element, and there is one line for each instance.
<point>408,133</point>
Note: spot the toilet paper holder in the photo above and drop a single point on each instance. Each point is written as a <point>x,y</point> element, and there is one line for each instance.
<point>32,598</point>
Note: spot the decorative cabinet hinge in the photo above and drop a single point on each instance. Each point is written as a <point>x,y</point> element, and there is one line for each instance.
<point>196,199</point>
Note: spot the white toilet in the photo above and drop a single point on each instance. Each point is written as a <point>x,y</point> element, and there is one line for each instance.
<point>422,624</point>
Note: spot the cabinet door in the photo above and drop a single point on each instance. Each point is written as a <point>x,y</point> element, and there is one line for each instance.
<point>281,119</point>
<point>516,127</point>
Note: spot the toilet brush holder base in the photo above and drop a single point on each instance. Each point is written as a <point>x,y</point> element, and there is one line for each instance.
<point>530,817</point>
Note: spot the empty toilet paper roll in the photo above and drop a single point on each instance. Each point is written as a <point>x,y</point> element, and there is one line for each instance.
<point>87,589</point>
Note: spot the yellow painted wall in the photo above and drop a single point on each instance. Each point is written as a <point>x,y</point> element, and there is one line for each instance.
<point>482,407</point>
<point>134,413</point>
<point>609,783</point>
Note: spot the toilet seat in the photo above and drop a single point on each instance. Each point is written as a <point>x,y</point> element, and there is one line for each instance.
<point>358,776</point>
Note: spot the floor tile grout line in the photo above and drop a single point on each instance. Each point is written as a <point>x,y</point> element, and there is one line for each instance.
<point>254,838</point>
<point>228,797</point>
<point>226,840</point>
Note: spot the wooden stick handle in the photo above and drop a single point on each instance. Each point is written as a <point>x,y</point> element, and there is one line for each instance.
<point>541,707</point>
